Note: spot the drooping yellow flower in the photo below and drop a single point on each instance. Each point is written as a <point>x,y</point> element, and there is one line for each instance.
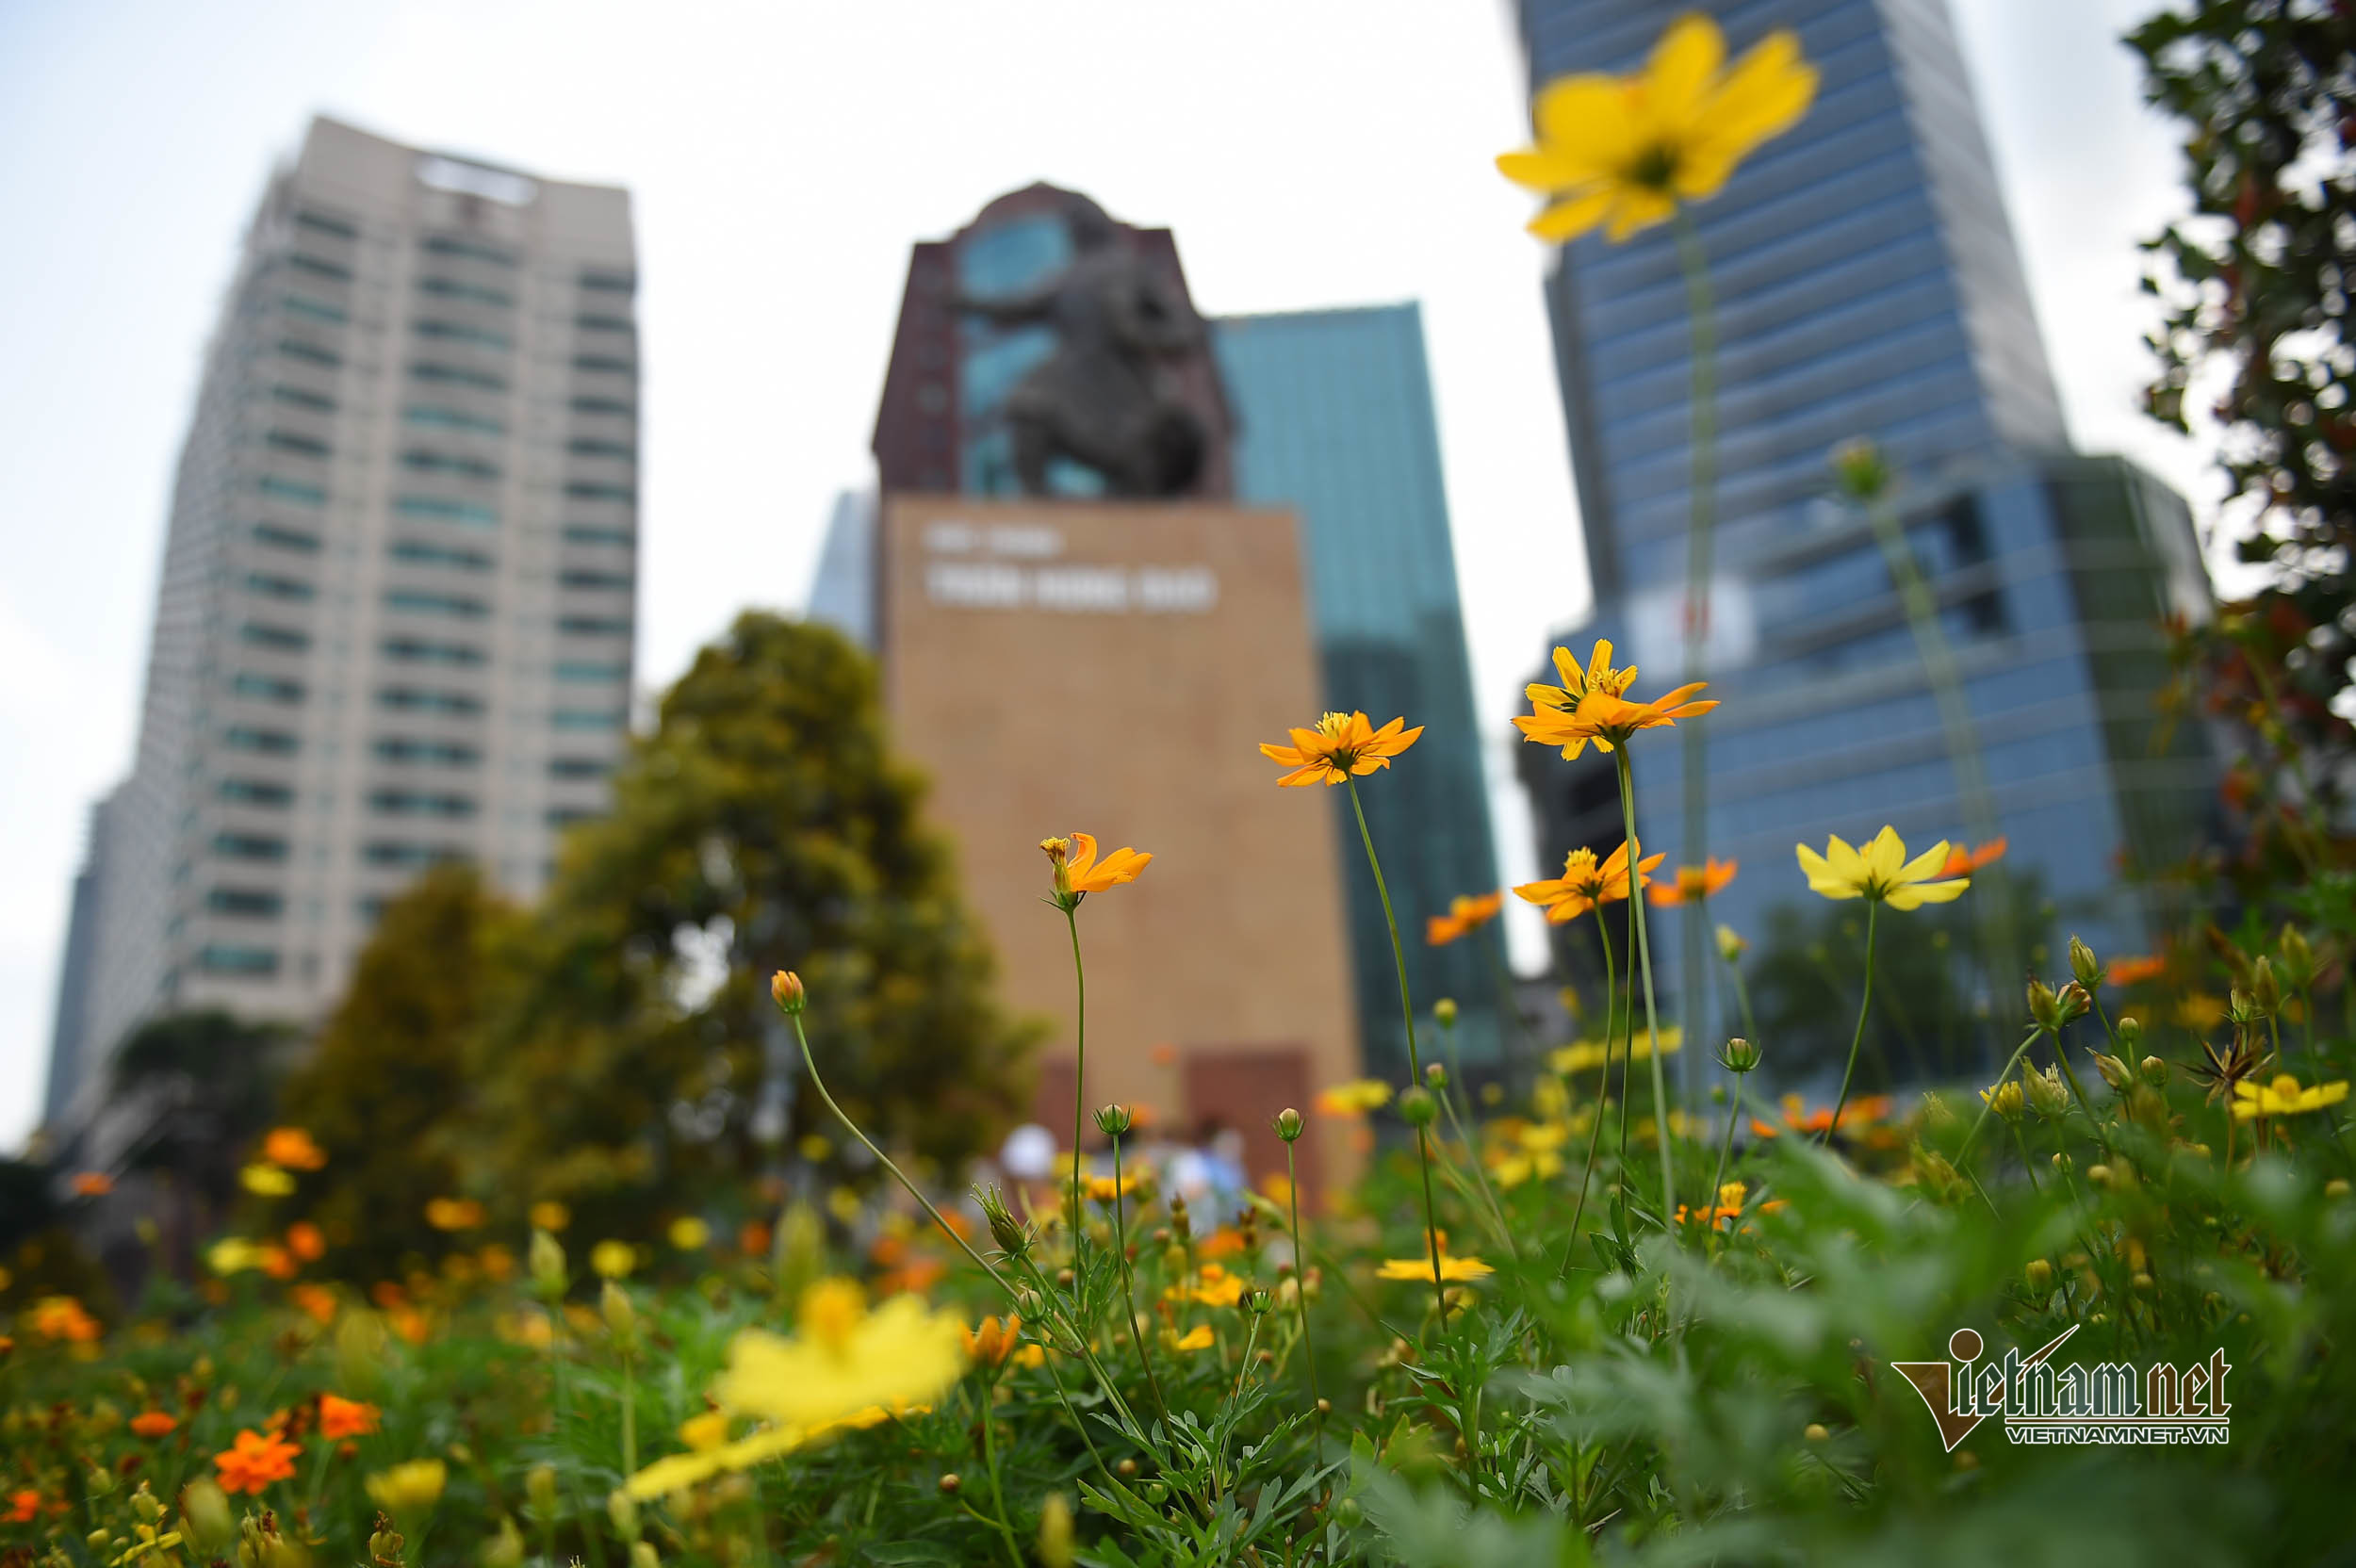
<point>1625,152</point>
<point>1881,872</point>
<point>1464,916</point>
<point>1353,1099</point>
<point>1692,883</point>
<point>1340,745</point>
<point>1586,883</point>
<point>1079,874</point>
<point>844,1358</point>
<point>2284,1097</point>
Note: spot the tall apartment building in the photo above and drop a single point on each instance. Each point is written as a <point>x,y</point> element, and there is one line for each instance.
<point>1867,286</point>
<point>395,623</point>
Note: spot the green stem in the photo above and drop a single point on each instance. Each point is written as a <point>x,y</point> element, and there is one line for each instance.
<point>1300,1289</point>
<point>629,1415</point>
<point>1128,1281</point>
<point>1972,1137</point>
<point>1718,1182</point>
<point>1693,848</point>
<point>1594,1131</point>
<point>1414,1063</point>
<point>1079,1091</point>
<point>1652,1017</point>
<point>990,1467</point>
<point>810,1063</point>
<point>1873,913</point>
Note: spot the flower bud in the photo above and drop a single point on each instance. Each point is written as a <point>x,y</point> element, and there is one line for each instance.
<point>1416,1107</point>
<point>547,1263</point>
<point>2241,1009</point>
<point>2004,1098</point>
<point>1258,1301</point>
<point>1349,1512</point>
<point>2039,1275</point>
<point>2064,1163</point>
<point>1054,1532</point>
<point>2084,965</point>
<point>1861,472</point>
<point>785,989</point>
<point>1434,1076</point>
<point>2045,1093</point>
<point>1445,1010</point>
<point>2155,1070</point>
<point>614,1305</point>
<point>1288,1125</point>
<point>2130,1033</point>
<point>2114,1072</point>
<point>1009,1233</point>
<point>2072,1002</point>
<point>204,1517</point>
<point>2043,1011</point>
<point>641,1554</point>
<point>2099,1175</point>
<point>1740,1056</point>
<point>540,1489</point>
<point>2265,990</point>
<point>2299,959</point>
<point>1114,1120</point>
<point>949,1483</point>
<point>506,1548</point>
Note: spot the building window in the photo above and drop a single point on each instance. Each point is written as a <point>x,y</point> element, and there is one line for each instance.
<point>293,441</point>
<point>435,604</point>
<point>583,447</point>
<point>249,846</point>
<point>319,267</point>
<point>584,670</point>
<point>290,490</point>
<point>409,803</point>
<point>592,626</point>
<point>604,323</point>
<point>580,534</point>
<point>443,754</point>
<point>279,538</point>
<point>420,460</point>
<point>316,310</point>
<point>583,491</point>
<point>263,688</point>
<point>281,638</point>
<point>385,852</point>
<point>246,903</point>
<point>415,650</point>
<point>268,742</point>
<point>474,249</point>
<point>603,362</point>
<point>255,792</point>
<point>238,960</point>
<point>300,396</point>
<point>604,406</point>
<point>462,332</point>
<point>609,283</point>
<point>310,354</point>
<point>578,767</point>
<point>421,554</point>
<point>593,579</point>
<point>289,588</point>
<point>458,375</point>
<point>458,288</point>
<point>411,699</point>
<point>322,223</point>
<point>473,514</point>
<point>436,417</point>
<point>561,817</point>
<point>589,718</point>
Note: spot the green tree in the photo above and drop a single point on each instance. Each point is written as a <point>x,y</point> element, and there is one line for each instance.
<point>635,1063</point>
<point>389,1078</point>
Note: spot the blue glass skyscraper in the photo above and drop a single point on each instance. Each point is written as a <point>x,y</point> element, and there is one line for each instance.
<point>1867,286</point>
<point>1335,419</point>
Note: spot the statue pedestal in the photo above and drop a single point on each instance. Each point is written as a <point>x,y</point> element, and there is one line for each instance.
<point>1111,668</point>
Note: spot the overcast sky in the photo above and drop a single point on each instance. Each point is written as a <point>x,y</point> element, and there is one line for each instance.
<point>783,156</point>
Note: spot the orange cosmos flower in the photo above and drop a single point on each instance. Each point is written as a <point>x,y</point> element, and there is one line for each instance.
<point>292,1147</point>
<point>92,1183</point>
<point>1597,675</point>
<point>1963,862</point>
<point>1464,916</point>
<point>64,1317</point>
<point>306,1241</point>
<point>340,1417</point>
<point>154,1423</point>
<point>23,1507</point>
<point>1585,884</point>
<point>1798,1118</point>
<point>254,1460</point>
<point>1078,873</point>
<point>1340,745</point>
<point>317,1302</point>
<point>989,1342</point>
<point>2129,972</point>
<point>1589,705</point>
<point>1692,885</point>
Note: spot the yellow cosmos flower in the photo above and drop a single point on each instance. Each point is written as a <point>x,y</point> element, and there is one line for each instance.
<point>2284,1097</point>
<point>689,1234</point>
<point>1464,916</point>
<point>1587,1055</point>
<point>1197,1338</point>
<point>613,1260</point>
<point>1692,883</point>
<point>1881,872</point>
<point>1354,1099</point>
<point>1597,675</point>
<point>233,1255</point>
<point>1340,745</point>
<point>1586,883</point>
<point>1216,1287</point>
<point>266,1180</point>
<point>1078,873</point>
<point>1420,1268</point>
<point>408,1490</point>
<point>1625,152</point>
<point>989,1342</point>
<point>842,1359</point>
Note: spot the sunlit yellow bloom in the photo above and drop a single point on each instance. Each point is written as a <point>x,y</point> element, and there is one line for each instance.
<point>454,1214</point>
<point>1216,1287</point>
<point>292,1147</point>
<point>1587,1055</point>
<point>1340,745</point>
<point>613,1259</point>
<point>1881,872</point>
<point>266,1181</point>
<point>1104,1189</point>
<point>1589,705</point>
<point>1464,916</point>
<point>1452,1268</point>
<point>1078,873</point>
<point>678,1472</point>
<point>842,1359</point>
<point>1625,152</point>
<point>1355,1098</point>
<point>689,1234</point>
<point>1197,1338</point>
<point>407,1490</point>
<point>1692,885</point>
<point>1585,883</point>
<point>705,1432</point>
<point>2284,1097</point>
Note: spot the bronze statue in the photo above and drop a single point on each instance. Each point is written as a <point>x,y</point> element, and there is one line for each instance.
<point>1108,396</point>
